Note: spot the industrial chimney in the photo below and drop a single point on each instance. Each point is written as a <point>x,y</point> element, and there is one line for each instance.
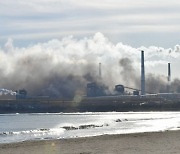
<point>142,74</point>
<point>100,70</point>
<point>169,77</point>
<point>169,72</point>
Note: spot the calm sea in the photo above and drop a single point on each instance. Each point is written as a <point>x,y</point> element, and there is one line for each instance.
<point>43,126</point>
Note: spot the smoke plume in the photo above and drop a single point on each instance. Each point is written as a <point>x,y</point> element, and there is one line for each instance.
<point>62,68</point>
<point>128,73</point>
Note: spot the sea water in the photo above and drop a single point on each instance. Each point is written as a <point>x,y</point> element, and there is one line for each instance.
<point>43,126</point>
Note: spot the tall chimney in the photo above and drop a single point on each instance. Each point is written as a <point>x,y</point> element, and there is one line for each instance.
<point>99,70</point>
<point>169,77</point>
<point>142,74</point>
<point>169,72</point>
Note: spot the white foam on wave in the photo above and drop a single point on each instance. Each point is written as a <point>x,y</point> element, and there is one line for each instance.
<point>19,136</point>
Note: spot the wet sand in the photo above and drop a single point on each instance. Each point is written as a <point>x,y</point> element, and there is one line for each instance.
<point>146,143</point>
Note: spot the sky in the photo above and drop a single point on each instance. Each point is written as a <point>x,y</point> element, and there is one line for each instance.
<point>133,22</point>
<point>39,37</point>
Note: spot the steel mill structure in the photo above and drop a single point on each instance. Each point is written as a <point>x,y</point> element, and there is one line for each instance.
<point>98,99</point>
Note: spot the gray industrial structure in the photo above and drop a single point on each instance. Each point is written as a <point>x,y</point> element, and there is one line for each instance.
<point>94,89</point>
<point>169,72</point>
<point>142,74</point>
<point>99,70</point>
<point>98,98</point>
<point>100,90</point>
<point>169,78</point>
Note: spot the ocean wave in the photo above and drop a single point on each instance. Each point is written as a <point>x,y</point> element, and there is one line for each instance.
<point>41,131</point>
<point>83,127</point>
<point>42,127</point>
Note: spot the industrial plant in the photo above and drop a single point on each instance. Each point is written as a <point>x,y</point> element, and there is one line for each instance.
<point>99,90</point>
<point>98,98</point>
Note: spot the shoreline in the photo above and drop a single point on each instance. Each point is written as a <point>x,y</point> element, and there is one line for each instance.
<point>140,143</point>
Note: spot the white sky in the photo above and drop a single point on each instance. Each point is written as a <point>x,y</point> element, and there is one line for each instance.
<point>133,22</point>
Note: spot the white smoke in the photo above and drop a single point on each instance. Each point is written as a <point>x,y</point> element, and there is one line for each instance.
<point>67,65</point>
<point>6,92</point>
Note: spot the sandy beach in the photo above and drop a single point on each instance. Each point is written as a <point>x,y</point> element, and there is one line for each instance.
<point>144,143</point>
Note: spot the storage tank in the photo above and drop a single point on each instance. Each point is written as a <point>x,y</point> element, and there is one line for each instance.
<point>119,88</point>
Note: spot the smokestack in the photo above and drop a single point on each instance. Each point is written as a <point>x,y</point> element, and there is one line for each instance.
<point>142,74</point>
<point>169,72</point>
<point>169,77</point>
<point>99,70</point>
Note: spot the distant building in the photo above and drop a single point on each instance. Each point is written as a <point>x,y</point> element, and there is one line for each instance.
<point>21,94</point>
<point>94,89</point>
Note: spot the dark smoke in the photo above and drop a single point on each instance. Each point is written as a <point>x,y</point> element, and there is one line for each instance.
<point>62,68</point>
<point>128,73</point>
<point>154,83</point>
<point>175,86</point>
<point>40,77</point>
<point>63,86</point>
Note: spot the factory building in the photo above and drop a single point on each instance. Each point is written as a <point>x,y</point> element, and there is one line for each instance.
<point>21,94</point>
<point>94,90</point>
<point>99,98</point>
